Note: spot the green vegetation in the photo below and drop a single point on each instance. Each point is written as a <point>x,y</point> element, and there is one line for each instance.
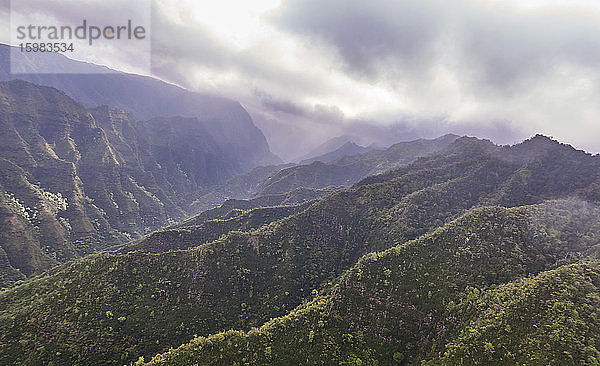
<point>187,235</point>
<point>551,319</point>
<point>388,271</point>
<point>400,305</point>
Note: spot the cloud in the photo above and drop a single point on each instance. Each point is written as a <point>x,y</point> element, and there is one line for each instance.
<point>477,67</point>
<point>502,43</point>
<point>534,68</point>
<point>369,34</point>
<point>502,69</point>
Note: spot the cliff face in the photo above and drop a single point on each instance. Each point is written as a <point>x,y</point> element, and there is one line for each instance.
<point>75,180</point>
<point>227,122</point>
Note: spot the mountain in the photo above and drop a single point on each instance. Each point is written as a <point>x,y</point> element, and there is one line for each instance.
<point>400,306</point>
<point>240,186</point>
<point>76,180</point>
<point>193,233</point>
<point>347,170</point>
<point>227,122</point>
<point>326,147</point>
<point>374,272</point>
<point>348,149</point>
<point>318,177</point>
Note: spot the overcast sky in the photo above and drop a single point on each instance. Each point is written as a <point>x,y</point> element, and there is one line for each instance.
<point>311,69</point>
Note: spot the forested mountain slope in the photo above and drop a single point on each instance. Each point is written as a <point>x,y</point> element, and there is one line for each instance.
<point>112,308</point>
<point>438,295</point>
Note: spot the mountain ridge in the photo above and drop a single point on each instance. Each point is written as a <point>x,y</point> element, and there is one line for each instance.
<point>347,149</point>
<point>347,170</point>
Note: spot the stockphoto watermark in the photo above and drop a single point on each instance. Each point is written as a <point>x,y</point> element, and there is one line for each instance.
<point>95,32</point>
<point>90,33</point>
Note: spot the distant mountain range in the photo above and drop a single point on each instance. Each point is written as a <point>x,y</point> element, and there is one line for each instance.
<point>327,147</point>
<point>317,177</point>
<point>347,149</point>
<point>348,169</point>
